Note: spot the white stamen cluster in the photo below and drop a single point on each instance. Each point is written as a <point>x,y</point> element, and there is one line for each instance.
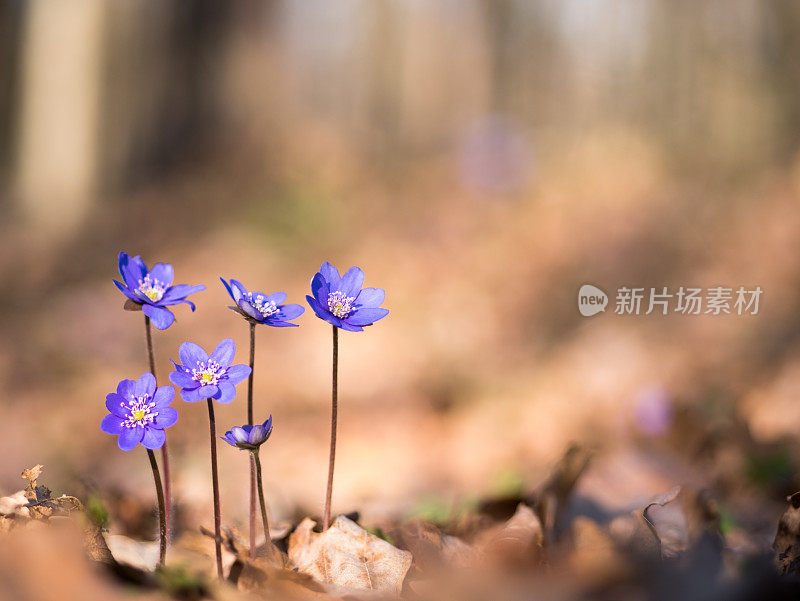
<point>262,305</point>
<point>208,373</point>
<point>152,288</point>
<point>140,412</point>
<point>339,304</point>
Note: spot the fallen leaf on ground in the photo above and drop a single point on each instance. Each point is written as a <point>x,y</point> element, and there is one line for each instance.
<point>432,549</point>
<point>787,538</point>
<point>349,556</point>
<point>518,541</point>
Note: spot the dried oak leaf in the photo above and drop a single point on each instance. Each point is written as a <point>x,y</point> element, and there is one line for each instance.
<point>518,541</point>
<point>595,560</point>
<point>347,555</point>
<point>553,495</point>
<point>787,538</point>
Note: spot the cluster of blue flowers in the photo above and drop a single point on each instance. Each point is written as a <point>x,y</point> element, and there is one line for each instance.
<point>139,412</point>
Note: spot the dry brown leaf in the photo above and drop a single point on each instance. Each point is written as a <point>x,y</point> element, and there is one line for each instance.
<point>553,494</point>
<point>595,559</point>
<point>432,549</point>
<point>787,538</point>
<point>518,541</point>
<point>349,556</point>
<point>649,531</point>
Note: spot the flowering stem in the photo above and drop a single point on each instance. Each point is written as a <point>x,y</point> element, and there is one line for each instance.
<point>162,519</point>
<point>251,422</point>
<point>215,485</point>
<point>164,448</point>
<point>268,542</point>
<point>326,520</point>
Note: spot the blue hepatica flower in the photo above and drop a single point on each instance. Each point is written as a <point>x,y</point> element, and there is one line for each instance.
<point>204,376</point>
<point>249,438</point>
<point>139,413</point>
<point>152,290</point>
<point>341,301</point>
<point>261,307</point>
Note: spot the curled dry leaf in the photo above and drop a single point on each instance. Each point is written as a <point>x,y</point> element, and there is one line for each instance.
<point>651,531</point>
<point>349,556</point>
<point>787,538</point>
<point>554,493</point>
<point>518,541</point>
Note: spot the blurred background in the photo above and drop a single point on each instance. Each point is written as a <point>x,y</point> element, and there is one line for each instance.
<point>480,160</point>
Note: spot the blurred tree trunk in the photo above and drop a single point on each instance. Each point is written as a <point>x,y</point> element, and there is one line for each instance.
<point>57,160</point>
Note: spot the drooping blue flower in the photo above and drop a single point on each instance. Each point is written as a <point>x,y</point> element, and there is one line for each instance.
<point>249,438</point>
<point>152,290</point>
<point>261,307</point>
<point>204,376</point>
<point>139,413</point>
<point>341,301</point>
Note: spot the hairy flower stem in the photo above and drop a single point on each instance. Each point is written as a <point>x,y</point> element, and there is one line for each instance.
<point>164,449</point>
<point>162,518</point>
<point>270,549</point>
<point>251,422</point>
<point>215,485</point>
<point>326,520</point>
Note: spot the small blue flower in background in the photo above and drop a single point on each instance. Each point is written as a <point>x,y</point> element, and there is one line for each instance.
<point>341,301</point>
<point>249,438</point>
<point>152,290</point>
<point>204,376</point>
<point>261,307</point>
<point>139,413</point>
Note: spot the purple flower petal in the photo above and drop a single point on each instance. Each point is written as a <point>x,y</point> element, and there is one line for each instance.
<point>256,434</point>
<point>112,424</point>
<point>228,288</point>
<point>182,379</point>
<point>207,392</point>
<point>277,323</point>
<point>237,373</point>
<point>129,438</point>
<point>276,297</point>
<point>167,416</point>
<point>126,291</point>
<point>352,281</point>
<point>238,434</point>
<point>238,290</point>
<point>177,293</point>
<point>322,313</point>
<point>163,396</point>
<point>191,395</point>
<point>351,328</point>
<point>117,405</point>
<point>153,438</point>
<point>145,385</point>
<point>125,389</point>
<point>371,297</point>
<point>227,392</point>
<point>320,288</point>
<point>132,269</point>
<point>288,312</point>
<point>191,354</point>
<point>245,306</point>
<point>163,272</point>
<point>331,275</point>
<point>224,352</point>
<point>162,318</point>
<point>365,317</point>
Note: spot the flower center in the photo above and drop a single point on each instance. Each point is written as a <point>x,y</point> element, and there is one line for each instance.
<point>152,288</point>
<point>339,304</point>
<point>141,412</point>
<point>262,305</point>
<point>208,374</point>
